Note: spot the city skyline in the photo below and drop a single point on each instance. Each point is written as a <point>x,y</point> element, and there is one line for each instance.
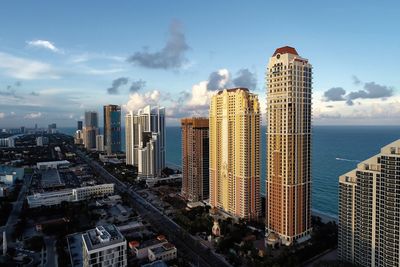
<point>51,77</point>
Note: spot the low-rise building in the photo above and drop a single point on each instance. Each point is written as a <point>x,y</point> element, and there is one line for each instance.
<point>51,164</point>
<point>166,252</point>
<point>141,250</point>
<point>69,195</point>
<point>42,140</point>
<point>104,246</point>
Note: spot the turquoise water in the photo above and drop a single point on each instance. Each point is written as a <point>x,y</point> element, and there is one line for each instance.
<point>336,150</point>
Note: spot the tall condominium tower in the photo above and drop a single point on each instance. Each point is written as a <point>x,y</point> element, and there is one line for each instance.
<point>195,159</point>
<point>112,128</point>
<point>288,184</point>
<point>235,153</point>
<point>145,141</point>
<point>90,130</point>
<point>369,213</point>
<point>79,125</point>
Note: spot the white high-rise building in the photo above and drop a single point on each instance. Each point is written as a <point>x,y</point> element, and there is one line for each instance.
<point>369,211</point>
<point>145,141</point>
<point>100,142</point>
<point>104,246</point>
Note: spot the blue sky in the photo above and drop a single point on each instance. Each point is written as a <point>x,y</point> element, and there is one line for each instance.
<point>59,59</point>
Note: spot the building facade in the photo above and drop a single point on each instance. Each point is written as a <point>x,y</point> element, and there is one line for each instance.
<point>90,130</point>
<point>288,184</point>
<point>145,141</point>
<point>112,128</point>
<point>235,153</point>
<point>195,159</point>
<point>104,246</point>
<point>369,211</point>
<point>100,142</point>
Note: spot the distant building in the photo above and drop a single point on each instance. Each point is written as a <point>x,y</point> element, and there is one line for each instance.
<point>69,195</point>
<point>288,179</point>
<point>52,128</point>
<point>195,159</point>
<point>7,142</point>
<point>52,164</point>
<point>79,125</point>
<point>100,143</point>
<point>145,141</point>
<point>104,246</point>
<point>235,153</point>
<point>91,129</point>
<point>369,213</point>
<point>112,128</point>
<point>78,139</point>
<point>22,129</point>
<point>42,141</point>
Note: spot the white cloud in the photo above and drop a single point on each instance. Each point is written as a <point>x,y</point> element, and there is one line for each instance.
<point>26,69</point>
<point>140,100</point>
<point>2,115</point>
<point>44,44</point>
<point>33,115</point>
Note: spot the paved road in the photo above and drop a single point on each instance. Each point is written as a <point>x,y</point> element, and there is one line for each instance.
<point>51,253</point>
<point>14,215</point>
<point>187,245</point>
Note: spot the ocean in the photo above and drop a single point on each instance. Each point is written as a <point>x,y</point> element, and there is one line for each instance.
<point>335,151</point>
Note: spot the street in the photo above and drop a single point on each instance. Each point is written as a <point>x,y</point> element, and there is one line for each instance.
<point>187,245</point>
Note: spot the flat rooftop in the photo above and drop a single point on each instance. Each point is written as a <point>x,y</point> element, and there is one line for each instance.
<point>50,178</point>
<point>102,236</point>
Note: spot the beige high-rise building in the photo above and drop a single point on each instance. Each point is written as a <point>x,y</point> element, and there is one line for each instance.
<point>288,183</point>
<point>195,159</point>
<point>235,153</point>
<point>369,211</point>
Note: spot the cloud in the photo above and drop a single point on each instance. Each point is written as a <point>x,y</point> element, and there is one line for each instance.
<point>335,94</point>
<point>356,81</point>
<point>2,115</point>
<point>33,93</point>
<point>171,56</point>
<point>33,115</point>
<point>137,85</point>
<point>44,44</point>
<point>116,84</point>
<point>246,79</point>
<point>371,90</point>
<point>26,69</point>
<point>140,100</point>
<point>10,92</point>
<point>218,79</point>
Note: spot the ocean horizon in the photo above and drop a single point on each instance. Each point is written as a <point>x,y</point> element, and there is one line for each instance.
<point>335,151</point>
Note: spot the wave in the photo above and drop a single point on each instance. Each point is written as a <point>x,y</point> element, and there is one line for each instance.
<point>348,160</point>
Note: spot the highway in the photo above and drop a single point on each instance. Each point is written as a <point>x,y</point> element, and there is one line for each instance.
<point>186,244</point>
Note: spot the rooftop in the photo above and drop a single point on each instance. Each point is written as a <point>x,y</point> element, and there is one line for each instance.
<point>102,236</point>
<point>234,89</point>
<point>285,50</point>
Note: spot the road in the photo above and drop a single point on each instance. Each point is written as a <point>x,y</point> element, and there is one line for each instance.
<point>186,244</point>
<point>14,215</point>
<point>51,253</point>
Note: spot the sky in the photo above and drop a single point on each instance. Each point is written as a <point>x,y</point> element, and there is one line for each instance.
<point>60,58</point>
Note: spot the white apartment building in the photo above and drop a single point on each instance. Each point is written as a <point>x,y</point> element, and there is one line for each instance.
<point>51,164</point>
<point>42,140</point>
<point>69,195</point>
<point>369,211</point>
<point>145,141</point>
<point>100,142</point>
<point>104,246</point>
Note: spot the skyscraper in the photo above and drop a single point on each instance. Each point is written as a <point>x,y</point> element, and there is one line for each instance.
<point>100,142</point>
<point>112,128</point>
<point>195,159</point>
<point>235,153</point>
<point>91,130</point>
<point>145,141</point>
<point>369,213</point>
<point>288,184</point>
<point>79,125</point>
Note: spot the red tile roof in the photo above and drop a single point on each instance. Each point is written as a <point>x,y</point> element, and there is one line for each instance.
<point>285,50</point>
